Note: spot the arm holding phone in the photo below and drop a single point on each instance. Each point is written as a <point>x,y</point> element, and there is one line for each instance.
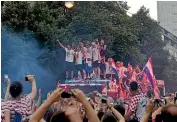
<point>33,93</point>
<point>7,90</point>
<point>54,97</point>
<point>116,113</point>
<point>147,114</point>
<point>91,114</point>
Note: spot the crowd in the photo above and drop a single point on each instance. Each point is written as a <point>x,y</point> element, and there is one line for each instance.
<point>85,59</point>
<point>88,61</point>
<point>75,106</point>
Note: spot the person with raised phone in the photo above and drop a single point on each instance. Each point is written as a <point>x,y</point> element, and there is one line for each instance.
<point>71,114</point>
<point>112,115</point>
<point>19,105</point>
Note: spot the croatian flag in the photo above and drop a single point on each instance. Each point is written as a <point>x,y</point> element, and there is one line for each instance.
<point>149,72</point>
<point>114,69</point>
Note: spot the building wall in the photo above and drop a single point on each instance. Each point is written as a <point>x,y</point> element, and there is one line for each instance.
<point>167,15</point>
<point>171,41</point>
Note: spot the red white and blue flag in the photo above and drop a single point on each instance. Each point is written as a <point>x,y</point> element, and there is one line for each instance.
<point>148,70</point>
<point>114,69</point>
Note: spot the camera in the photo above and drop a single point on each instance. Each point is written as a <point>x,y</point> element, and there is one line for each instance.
<point>103,100</point>
<point>66,94</point>
<point>26,78</point>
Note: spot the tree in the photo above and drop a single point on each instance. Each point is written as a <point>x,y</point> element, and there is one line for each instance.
<point>151,45</point>
<point>129,39</point>
<point>170,75</point>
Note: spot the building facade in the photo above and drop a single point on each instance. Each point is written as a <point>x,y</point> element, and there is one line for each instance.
<point>171,42</point>
<point>167,15</point>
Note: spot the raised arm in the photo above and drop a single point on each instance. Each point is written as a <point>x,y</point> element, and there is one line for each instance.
<point>61,45</point>
<point>147,114</point>
<point>7,116</point>
<point>91,114</point>
<point>7,90</point>
<point>117,114</point>
<point>39,99</point>
<point>33,93</point>
<point>39,113</point>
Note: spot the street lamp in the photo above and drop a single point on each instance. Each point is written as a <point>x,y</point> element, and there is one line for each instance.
<point>69,4</point>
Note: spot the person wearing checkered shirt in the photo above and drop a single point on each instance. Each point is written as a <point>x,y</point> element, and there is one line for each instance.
<point>134,101</point>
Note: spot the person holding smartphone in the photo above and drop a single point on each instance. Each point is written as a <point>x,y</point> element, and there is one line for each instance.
<point>14,105</point>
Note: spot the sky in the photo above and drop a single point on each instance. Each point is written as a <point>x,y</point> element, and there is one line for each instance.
<point>150,4</point>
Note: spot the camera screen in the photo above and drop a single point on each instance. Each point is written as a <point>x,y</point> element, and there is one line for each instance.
<point>104,101</point>
<point>65,95</point>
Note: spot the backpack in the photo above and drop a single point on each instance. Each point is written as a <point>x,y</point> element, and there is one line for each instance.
<point>141,108</point>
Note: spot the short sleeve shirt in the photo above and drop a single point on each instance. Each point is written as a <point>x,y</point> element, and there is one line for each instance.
<point>96,54</point>
<point>22,106</point>
<point>69,55</point>
<point>133,104</point>
<point>79,57</point>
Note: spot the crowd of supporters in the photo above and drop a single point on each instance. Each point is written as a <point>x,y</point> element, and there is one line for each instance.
<point>88,61</point>
<point>75,106</point>
<point>85,61</point>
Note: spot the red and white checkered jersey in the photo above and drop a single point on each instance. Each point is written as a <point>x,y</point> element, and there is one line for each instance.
<point>22,106</point>
<point>133,104</point>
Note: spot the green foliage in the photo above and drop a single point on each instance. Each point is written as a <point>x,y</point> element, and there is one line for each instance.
<point>129,39</point>
<point>170,75</point>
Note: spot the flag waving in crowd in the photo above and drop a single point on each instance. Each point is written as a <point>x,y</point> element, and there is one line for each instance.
<point>148,71</point>
<point>114,69</point>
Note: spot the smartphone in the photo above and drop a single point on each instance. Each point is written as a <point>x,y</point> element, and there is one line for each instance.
<point>26,78</point>
<point>103,101</point>
<point>156,102</point>
<point>66,95</point>
<point>150,94</point>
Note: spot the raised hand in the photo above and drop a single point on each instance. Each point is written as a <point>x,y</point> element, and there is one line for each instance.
<point>30,78</point>
<point>79,95</point>
<point>149,106</point>
<point>55,96</point>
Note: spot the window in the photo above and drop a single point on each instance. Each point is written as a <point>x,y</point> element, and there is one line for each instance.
<point>174,13</point>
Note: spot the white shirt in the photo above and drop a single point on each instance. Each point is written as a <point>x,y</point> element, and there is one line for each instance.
<point>108,68</point>
<point>79,57</point>
<point>89,56</point>
<point>69,55</point>
<point>96,53</point>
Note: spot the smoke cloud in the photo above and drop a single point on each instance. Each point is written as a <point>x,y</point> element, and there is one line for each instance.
<point>19,58</point>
